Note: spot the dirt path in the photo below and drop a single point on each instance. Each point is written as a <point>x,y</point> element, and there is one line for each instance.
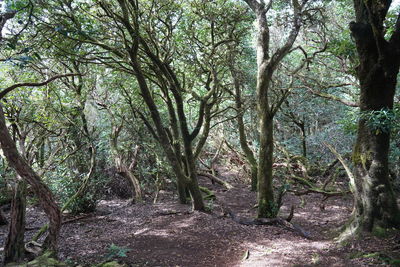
<point>168,234</point>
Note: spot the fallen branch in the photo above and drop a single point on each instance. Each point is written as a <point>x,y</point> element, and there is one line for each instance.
<point>270,221</point>
<point>216,179</point>
<point>344,164</point>
<point>210,194</point>
<point>320,191</point>
<point>62,223</point>
<point>311,188</point>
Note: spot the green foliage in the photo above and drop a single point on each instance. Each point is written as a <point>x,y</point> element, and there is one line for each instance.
<point>342,48</point>
<point>384,120</point>
<point>114,251</point>
<point>349,121</point>
<point>65,187</point>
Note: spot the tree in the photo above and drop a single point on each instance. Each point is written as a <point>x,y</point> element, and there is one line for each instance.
<point>27,173</point>
<point>267,64</point>
<point>379,55</point>
<point>23,168</point>
<point>155,49</point>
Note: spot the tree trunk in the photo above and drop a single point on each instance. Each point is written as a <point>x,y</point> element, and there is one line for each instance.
<point>41,190</point>
<point>266,204</point>
<point>164,141</point>
<point>181,188</point>
<point>303,139</point>
<point>375,202</point>
<point>14,249</point>
<point>122,166</point>
<point>3,220</point>
<point>193,185</point>
<point>266,66</point>
<point>242,131</point>
<point>131,177</point>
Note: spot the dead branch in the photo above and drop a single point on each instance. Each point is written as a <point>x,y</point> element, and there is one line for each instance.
<point>63,222</point>
<point>216,179</point>
<point>344,164</point>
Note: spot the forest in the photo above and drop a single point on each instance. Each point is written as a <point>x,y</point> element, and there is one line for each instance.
<point>199,133</point>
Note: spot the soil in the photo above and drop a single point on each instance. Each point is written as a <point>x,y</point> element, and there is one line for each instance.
<point>170,234</point>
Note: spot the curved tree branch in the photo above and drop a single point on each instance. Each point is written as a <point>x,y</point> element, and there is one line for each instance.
<point>17,85</point>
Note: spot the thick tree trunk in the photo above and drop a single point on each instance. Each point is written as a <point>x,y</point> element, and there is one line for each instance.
<point>14,249</point>
<point>193,186</point>
<point>181,189</point>
<point>41,190</point>
<point>267,207</point>
<point>183,180</point>
<point>375,202</point>
<point>131,177</point>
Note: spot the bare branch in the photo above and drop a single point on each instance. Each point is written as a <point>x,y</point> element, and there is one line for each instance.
<point>333,97</point>
<point>17,85</point>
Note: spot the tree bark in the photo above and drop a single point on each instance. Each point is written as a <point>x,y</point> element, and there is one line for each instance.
<point>266,66</point>
<point>375,202</point>
<point>14,249</point>
<point>251,159</point>
<point>3,219</point>
<point>122,167</point>
<point>183,180</point>
<point>266,203</point>
<point>41,190</point>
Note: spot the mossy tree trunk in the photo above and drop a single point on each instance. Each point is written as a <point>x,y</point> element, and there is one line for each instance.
<point>375,202</point>
<point>41,190</point>
<point>267,63</point>
<point>14,249</point>
<point>237,77</point>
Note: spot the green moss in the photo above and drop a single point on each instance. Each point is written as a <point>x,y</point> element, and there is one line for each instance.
<point>380,232</point>
<point>359,157</point>
<point>110,264</point>
<point>45,260</point>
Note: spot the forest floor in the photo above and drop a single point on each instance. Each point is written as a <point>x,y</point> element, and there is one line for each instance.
<point>169,234</point>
